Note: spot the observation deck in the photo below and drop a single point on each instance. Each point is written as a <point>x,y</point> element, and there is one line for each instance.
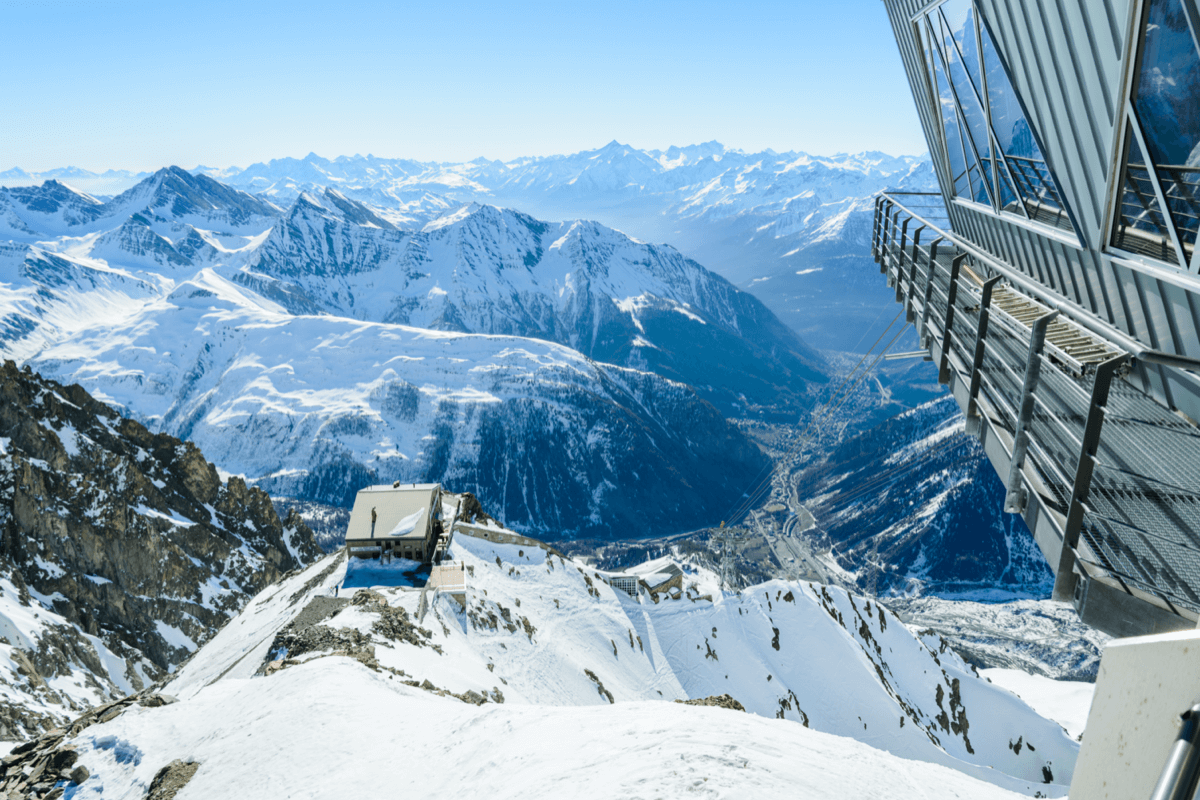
<point>1106,477</point>
<point>1055,276</point>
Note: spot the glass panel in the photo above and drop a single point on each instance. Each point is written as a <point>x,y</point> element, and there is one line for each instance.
<point>1033,180</point>
<point>954,145</point>
<point>1140,227</point>
<point>960,15</point>
<point>1167,101</point>
<point>968,103</point>
<point>1008,198</point>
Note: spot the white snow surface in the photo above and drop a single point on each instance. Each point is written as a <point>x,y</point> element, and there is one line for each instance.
<point>844,667</point>
<point>1066,702</point>
<point>266,393</point>
<point>406,525</point>
<point>332,728</point>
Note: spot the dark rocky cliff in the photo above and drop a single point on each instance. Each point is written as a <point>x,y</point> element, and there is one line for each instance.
<point>130,541</point>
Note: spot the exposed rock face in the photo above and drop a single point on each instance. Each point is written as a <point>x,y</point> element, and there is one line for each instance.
<point>718,700</point>
<point>126,547</point>
<point>170,779</point>
<point>36,768</point>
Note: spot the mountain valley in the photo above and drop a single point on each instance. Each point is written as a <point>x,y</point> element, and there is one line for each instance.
<point>313,327</point>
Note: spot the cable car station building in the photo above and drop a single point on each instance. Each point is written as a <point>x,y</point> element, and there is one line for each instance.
<point>1055,278</point>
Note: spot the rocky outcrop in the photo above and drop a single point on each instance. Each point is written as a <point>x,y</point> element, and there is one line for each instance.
<point>716,700</point>
<point>127,547</point>
<point>170,779</point>
<point>39,767</point>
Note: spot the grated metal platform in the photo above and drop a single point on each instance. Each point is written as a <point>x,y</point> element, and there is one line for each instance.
<point>1107,477</point>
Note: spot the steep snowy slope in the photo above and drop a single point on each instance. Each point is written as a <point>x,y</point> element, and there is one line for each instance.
<point>122,551</point>
<point>541,630</point>
<point>358,734</point>
<point>486,270</point>
<point>317,407</point>
<point>916,494</point>
<point>546,436</point>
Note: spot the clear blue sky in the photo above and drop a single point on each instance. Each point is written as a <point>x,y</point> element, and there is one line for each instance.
<point>134,85</point>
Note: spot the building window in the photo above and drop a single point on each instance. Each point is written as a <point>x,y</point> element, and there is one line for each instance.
<point>1157,211</point>
<point>989,148</point>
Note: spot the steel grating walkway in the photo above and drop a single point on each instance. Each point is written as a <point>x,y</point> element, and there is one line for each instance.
<point>1107,477</point>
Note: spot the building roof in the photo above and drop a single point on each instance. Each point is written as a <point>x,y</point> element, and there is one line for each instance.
<point>655,573</point>
<point>401,512</point>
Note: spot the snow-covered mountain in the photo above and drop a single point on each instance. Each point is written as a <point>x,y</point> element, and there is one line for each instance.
<point>912,504</point>
<point>546,644</point>
<point>273,339</point>
<point>483,269</point>
<point>108,183</point>
<point>791,227</point>
<point>316,407</point>
<point>121,551</point>
<point>725,207</point>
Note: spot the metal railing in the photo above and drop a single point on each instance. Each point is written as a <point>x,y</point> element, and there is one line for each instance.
<point>1141,226</point>
<point>448,577</point>
<point>1110,469</point>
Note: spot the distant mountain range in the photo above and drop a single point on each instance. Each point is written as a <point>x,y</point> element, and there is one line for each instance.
<point>563,372</point>
<point>789,227</point>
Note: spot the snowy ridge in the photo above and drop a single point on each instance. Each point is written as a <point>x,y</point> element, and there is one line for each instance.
<point>539,631</point>
<point>482,269</point>
<point>319,406</point>
<point>273,339</point>
<point>253,740</point>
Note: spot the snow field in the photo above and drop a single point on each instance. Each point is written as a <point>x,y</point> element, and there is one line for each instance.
<point>1066,702</point>
<point>844,666</point>
<point>332,728</point>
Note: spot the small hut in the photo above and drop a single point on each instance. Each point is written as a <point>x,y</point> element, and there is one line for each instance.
<point>396,521</point>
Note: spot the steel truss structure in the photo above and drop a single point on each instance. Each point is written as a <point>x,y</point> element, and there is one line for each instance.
<point>1055,278</point>
<point>1106,477</point>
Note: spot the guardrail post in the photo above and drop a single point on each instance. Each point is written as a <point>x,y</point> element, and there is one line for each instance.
<point>985,306</point>
<point>909,313</point>
<point>900,258</point>
<point>951,297</point>
<point>892,219</point>
<point>1014,500</point>
<point>875,225</point>
<point>933,248</point>
<point>1065,578</point>
<point>884,232</point>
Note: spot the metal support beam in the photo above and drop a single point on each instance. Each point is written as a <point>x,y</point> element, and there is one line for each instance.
<point>892,219</point>
<point>924,329</point>
<point>951,297</point>
<point>900,262</point>
<point>875,229</point>
<point>985,306</point>
<point>1065,578</point>
<point>909,311</point>
<point>1014,501</point>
